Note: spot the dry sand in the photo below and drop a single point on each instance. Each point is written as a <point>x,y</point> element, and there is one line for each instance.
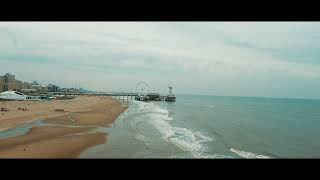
<point>102,113</point>
<point>53,141</point>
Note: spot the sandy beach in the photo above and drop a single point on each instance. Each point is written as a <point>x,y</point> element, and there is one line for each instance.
<point>46,141</point>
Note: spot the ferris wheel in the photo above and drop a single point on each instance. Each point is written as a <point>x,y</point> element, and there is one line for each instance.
<point>142,88</point>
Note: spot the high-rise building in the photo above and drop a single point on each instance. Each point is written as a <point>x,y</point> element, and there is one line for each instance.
<point>9,78</point>
<point>9,83</point>
<point>1,83</point>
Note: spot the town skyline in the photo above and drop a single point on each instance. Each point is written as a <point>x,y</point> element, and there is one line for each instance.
<point>9,82</point>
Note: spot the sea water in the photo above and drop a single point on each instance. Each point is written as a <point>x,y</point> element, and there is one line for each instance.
<point>214,127</point>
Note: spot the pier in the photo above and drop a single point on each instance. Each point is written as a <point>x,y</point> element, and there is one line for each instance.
<point>122,96</point>
<point>140,95</point>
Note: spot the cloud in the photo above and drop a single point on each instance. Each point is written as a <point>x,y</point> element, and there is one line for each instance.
<point>165,52</point>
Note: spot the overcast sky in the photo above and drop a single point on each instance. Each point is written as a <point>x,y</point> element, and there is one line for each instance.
<point>273,59</point>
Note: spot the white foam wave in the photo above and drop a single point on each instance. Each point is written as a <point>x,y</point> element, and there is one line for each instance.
<point>249,154</point>
<point>159,110</point>
<point>160,116</point>
<point>184,138</point>
<point>141,137</point>
<point>214,156</point>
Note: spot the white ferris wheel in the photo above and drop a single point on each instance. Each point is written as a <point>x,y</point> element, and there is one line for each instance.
<point>142,88</point>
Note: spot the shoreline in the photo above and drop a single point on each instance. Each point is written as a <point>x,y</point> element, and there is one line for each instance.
<point>85,112</point>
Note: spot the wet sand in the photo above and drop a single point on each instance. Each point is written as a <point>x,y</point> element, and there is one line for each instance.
<point>57,141</point>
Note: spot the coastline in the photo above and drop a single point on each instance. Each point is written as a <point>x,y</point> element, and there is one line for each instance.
<point>66,134</point>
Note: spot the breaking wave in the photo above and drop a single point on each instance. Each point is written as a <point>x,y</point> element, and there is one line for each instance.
<point>185,139</point>
<point>249,154</point>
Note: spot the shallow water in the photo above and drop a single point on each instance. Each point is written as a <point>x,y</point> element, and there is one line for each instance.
<point>20,130</point>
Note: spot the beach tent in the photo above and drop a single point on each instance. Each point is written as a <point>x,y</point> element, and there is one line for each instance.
<point>13,95</point>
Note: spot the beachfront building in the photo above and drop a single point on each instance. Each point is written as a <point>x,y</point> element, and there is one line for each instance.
<point>1,83</point>
<point>74,90</point>
<point>28,90</point>
<point>35,83</point>
<point>53,88</point>
<point>9,83</point>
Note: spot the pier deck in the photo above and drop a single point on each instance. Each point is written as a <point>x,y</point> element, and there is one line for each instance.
<point>122,96</point>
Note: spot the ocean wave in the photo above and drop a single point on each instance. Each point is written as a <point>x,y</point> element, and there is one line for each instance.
<point>248,155</point>
<point>183,138</point>
<point>213,156</point>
